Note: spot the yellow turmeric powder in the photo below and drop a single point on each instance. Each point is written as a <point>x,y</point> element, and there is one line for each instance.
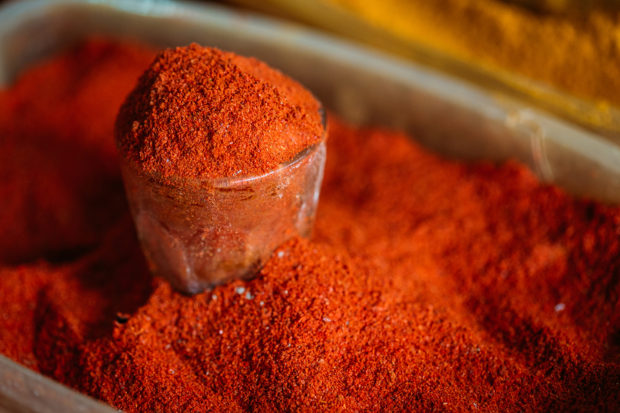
<point>579,54</point>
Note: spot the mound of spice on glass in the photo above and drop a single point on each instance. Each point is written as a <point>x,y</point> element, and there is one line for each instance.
<point>429,285</point>
<point>222,159</point>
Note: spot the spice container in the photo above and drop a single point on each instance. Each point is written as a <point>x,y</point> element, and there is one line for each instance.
<point>455,119</point>
<point>200,233</point>
<point>222,159</point>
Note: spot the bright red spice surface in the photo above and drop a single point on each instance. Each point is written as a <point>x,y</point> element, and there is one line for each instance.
<point>429,284</point>
<point>200,112</point>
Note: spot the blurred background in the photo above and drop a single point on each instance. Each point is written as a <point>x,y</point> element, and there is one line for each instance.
<point>561,55</point>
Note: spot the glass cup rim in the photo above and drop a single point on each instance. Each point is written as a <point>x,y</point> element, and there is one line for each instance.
<point>230,181</point>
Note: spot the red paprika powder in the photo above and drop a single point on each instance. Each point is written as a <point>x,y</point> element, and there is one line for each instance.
<point>428,285</point>
<point>199,112</point>
<point>60,178</point>
<point>222,159</point>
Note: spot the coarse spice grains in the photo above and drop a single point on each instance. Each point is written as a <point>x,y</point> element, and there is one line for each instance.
<point>429,284</point>
<point>199,112</point>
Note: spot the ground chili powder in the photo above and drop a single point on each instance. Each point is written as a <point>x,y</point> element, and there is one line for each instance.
<point>429,284</point>
<point>199,123</point>
<point>199,112</point>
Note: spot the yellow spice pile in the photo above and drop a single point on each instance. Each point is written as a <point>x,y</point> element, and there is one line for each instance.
<point>578,53</point>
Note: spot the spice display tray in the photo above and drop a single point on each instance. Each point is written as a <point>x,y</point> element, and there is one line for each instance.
<point>453,118</point>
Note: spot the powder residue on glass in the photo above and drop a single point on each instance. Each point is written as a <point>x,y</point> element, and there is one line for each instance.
<point>222,159</point>
<point>429,284</point>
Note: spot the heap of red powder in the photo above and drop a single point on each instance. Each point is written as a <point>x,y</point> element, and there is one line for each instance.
<point>202,112</point>
<point>429,284</point>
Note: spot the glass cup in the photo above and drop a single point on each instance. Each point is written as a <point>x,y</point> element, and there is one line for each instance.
<point>197,233</point>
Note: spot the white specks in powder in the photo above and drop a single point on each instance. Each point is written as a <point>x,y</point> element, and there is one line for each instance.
<point>559,307</point>
<point>240,290</point>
